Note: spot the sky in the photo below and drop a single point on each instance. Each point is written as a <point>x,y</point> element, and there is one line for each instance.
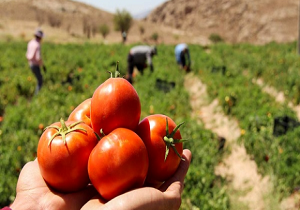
<point>133,6</point>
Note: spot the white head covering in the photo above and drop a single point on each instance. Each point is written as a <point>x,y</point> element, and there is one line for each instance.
<point>39,33</point>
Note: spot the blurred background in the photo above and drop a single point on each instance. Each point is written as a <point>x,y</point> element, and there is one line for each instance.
<point>240,102</point>
<point>195,21</point>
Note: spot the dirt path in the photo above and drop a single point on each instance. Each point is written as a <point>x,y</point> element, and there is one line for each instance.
<point>278,95</point>
<point>247,187</point>
<point>293,201</point>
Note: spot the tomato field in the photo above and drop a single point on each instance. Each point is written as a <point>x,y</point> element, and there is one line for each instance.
<point>74,71</point>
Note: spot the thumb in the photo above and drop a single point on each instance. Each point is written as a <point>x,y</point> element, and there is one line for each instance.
<point>81,197</point>
<point>175,183</point>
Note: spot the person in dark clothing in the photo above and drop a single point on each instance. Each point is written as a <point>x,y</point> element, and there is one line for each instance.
<point>182,56</point>
<point>140,57</point>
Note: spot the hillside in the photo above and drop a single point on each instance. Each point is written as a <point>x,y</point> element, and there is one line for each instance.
<point>254,21</point>
<point>70,21</point>
<point>192,21</point>
<point>23,16</point>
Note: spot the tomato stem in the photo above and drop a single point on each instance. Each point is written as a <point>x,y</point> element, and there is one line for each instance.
<point>102,133</point>
<point>63,125</point>
<point>64,130</point>
<point>117,73</point>
<point>170,141</point>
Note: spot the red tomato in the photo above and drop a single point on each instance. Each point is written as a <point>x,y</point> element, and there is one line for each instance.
<point>63,152</point>
<point>115,103</point>
<point>82,112</point>
<point>118,163</point>
<point>157,137</point>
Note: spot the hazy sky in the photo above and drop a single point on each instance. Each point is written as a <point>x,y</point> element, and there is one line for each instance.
<point>132,6</point>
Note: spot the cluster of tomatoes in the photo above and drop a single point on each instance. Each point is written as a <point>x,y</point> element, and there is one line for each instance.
<point>104,143</point>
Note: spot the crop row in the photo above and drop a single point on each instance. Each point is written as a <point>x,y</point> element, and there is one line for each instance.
<point>269,129</point>
<point>73,73</point>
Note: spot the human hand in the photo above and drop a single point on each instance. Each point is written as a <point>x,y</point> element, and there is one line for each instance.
<point>33,192</point>
<point>167,197</point>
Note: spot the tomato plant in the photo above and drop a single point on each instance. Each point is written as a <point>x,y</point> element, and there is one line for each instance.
<point>82,112</point>
<point>115,103</point>
<point>63,152</point>
<point>118,163</point>
<point>164,145</point>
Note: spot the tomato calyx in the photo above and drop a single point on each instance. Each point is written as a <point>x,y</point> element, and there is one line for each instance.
<point>117,72</point>
<point>170,141</point>
<point>64,130</point>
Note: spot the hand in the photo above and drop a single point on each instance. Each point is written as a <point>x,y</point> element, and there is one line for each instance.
<point>167,197</point>
<point>33,192</point>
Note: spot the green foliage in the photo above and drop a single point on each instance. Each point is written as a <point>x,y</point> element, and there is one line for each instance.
<point>254,109</point>
<point>215,38</point>
<point>73,73</point>
<point>229,72</point>
<point>123,21</point>
<point>154,36</point>
<point>104,30</point>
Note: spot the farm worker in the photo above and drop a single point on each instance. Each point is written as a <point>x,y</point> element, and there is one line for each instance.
<point>34,193</point>
<point>124,35</point>
<point>182,56</point>
<point>34,58</point>
<point>139,57</point>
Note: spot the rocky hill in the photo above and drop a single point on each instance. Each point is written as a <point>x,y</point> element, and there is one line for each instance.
<point>71,21</point>
<point>256,21</point>
<point>73,17</point>
<point>191,21</point>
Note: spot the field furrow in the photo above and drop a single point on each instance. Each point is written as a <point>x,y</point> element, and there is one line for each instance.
<point>248,186</point>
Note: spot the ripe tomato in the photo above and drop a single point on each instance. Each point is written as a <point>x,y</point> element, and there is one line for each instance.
<point>63,152</point>
<point>115,103</point>
<point>118,163</point>
<point>82,112</point>
<point>164,145</point>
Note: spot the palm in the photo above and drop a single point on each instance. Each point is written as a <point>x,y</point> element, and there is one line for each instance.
<point>33,188</point>
<point>168,196</point>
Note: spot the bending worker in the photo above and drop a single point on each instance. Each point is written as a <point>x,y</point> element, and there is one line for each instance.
<point>182,56</point>
<point>139,57</point>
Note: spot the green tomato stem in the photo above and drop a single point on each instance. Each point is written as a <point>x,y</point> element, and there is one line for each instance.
<point>170,141</point>
<point>64,130</point>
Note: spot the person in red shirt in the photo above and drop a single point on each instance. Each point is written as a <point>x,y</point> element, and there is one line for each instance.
<point>34,58</point>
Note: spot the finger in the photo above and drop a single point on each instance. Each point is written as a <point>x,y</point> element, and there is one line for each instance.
<point>79,199</point>
<point>176,181</point>
<point>94,203</point>
<point>30,177</point>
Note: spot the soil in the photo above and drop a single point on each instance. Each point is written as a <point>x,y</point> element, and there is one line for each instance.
<point>175,21</point>
<point>73,18</point>
<point>278,95</point>
<point>235,21</point>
